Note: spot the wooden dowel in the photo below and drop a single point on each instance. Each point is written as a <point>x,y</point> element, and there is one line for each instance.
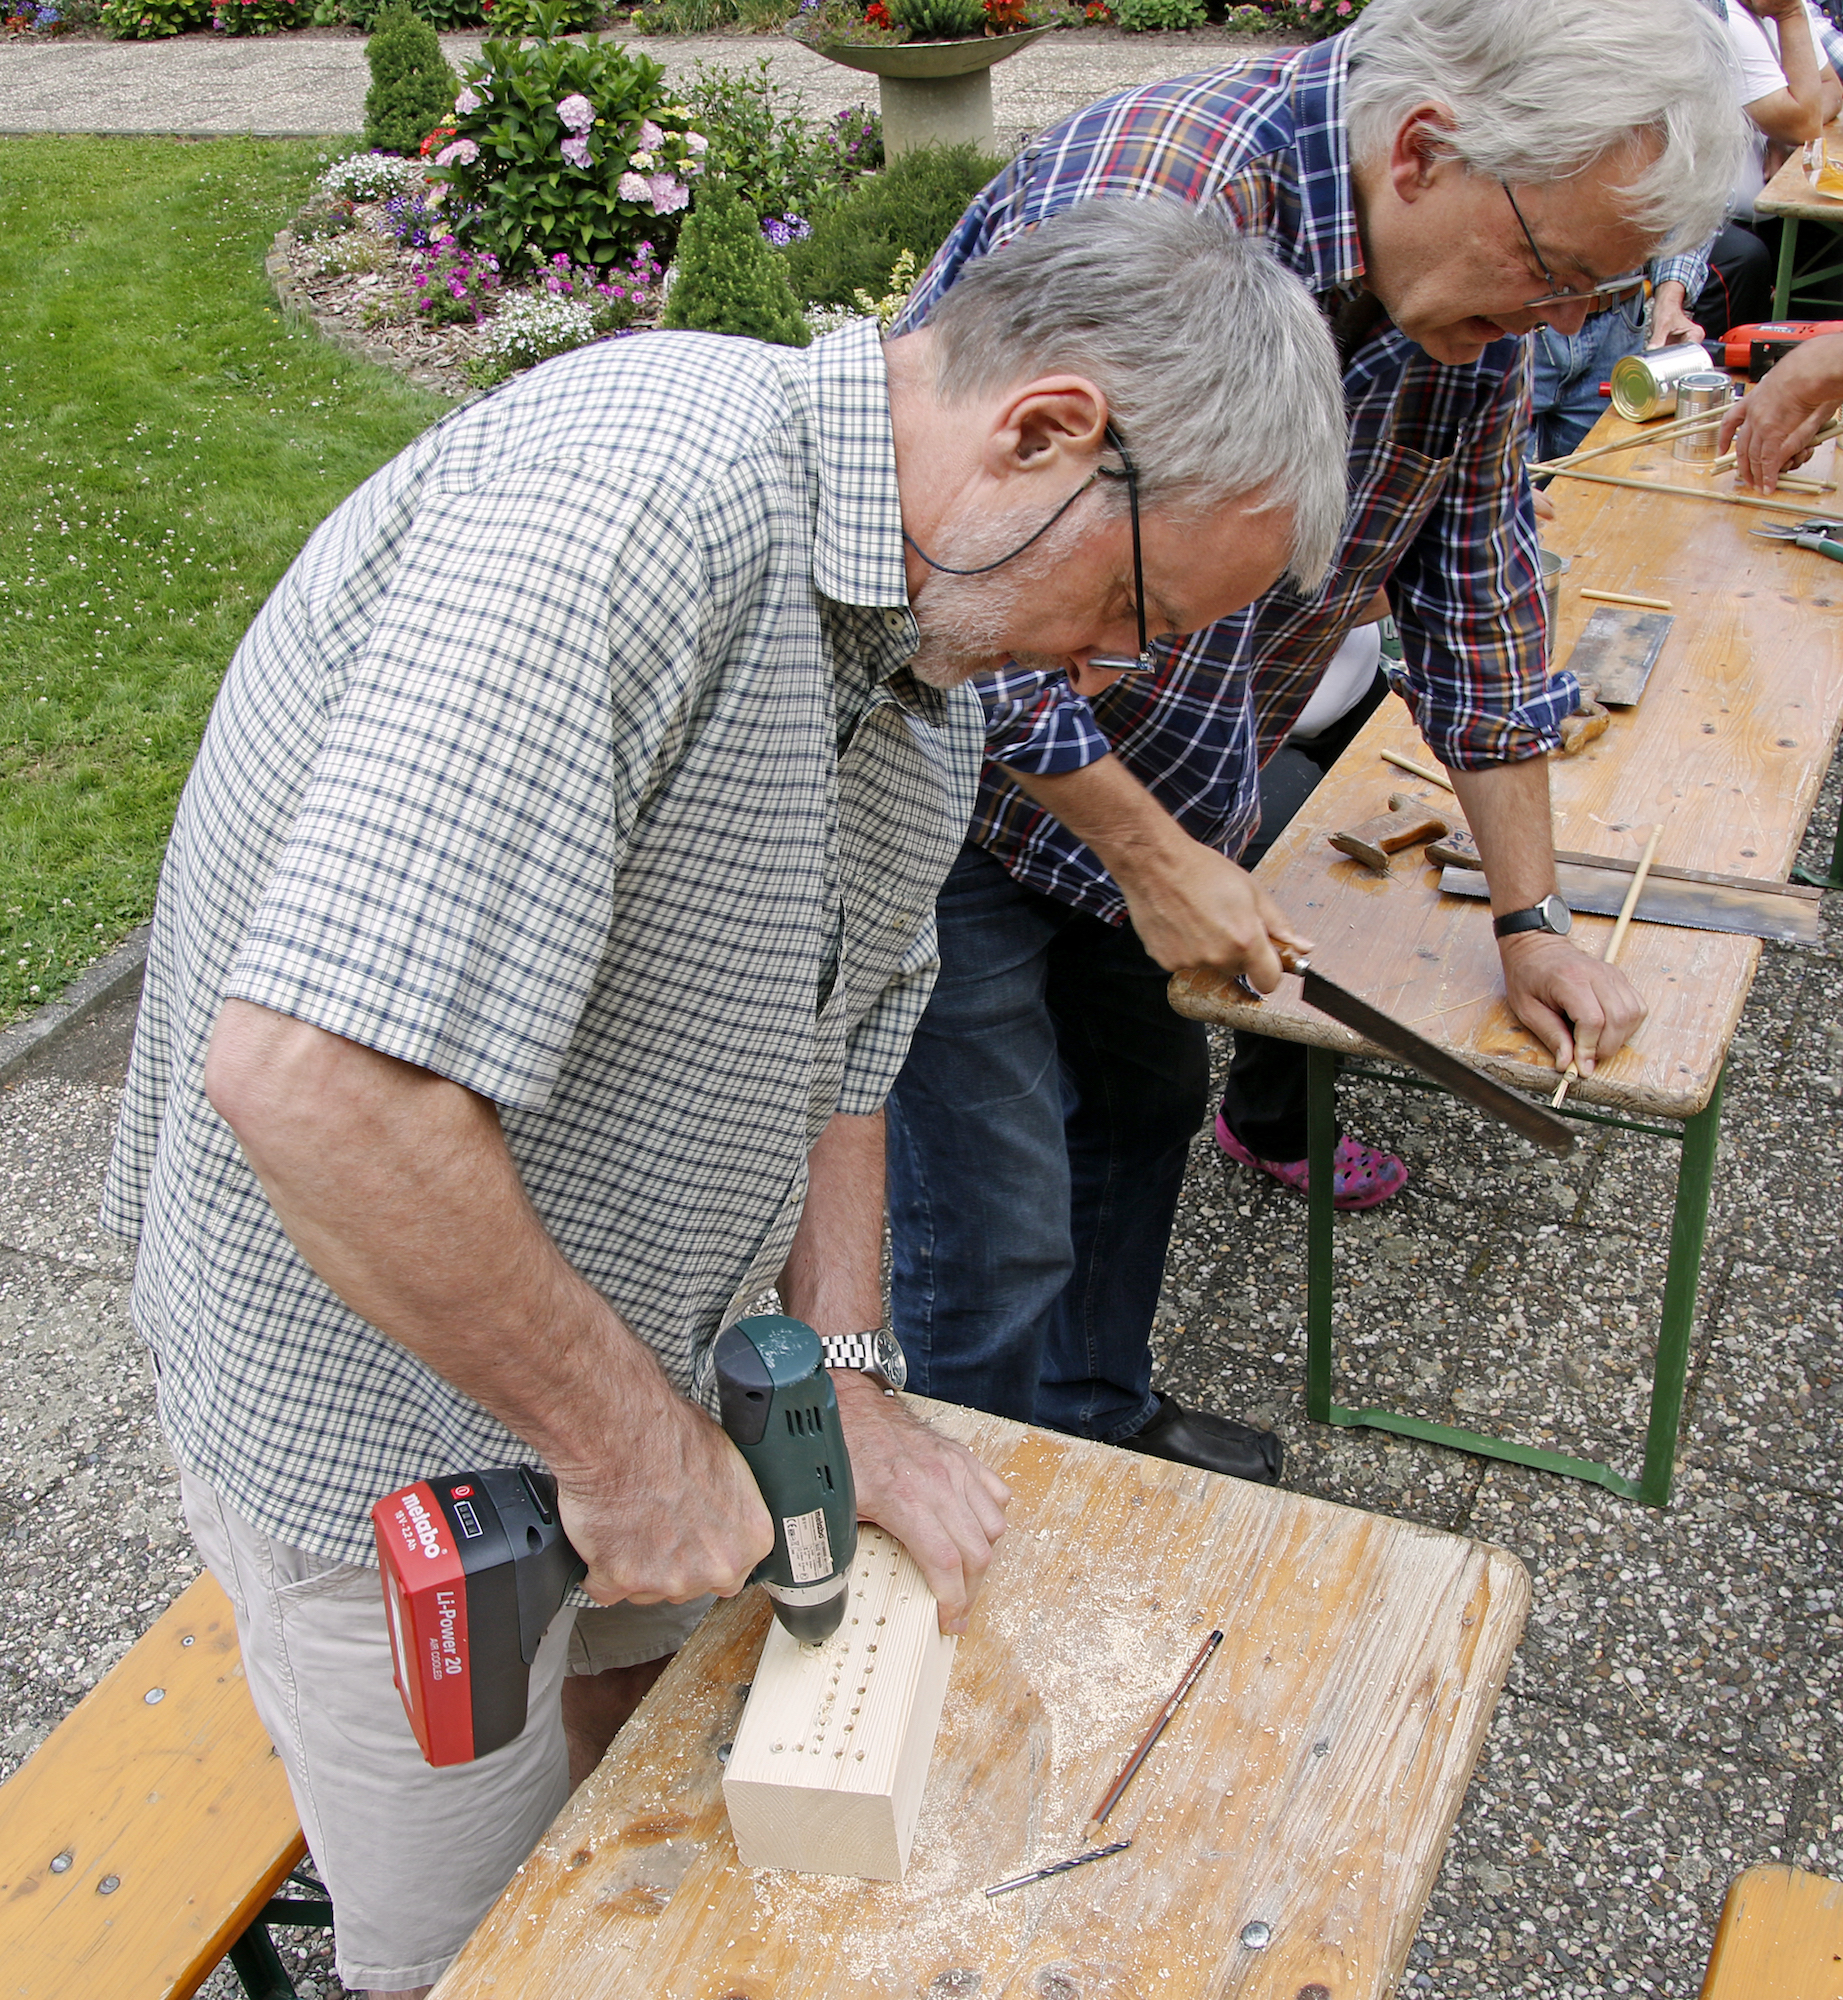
<point>1620,927</point>
<point>1416,770</point>
<point>1683,427</point>
<point>1688,492</point>
<point>1619,597</point>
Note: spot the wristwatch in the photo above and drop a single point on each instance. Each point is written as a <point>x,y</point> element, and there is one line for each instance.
<point>1551,914</point>
<point>877,1354</point>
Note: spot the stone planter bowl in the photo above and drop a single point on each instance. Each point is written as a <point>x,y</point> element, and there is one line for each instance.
<point>931,93</point>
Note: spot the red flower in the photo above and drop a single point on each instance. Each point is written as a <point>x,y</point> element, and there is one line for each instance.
<point>436,140</point>
<point>878,15</point>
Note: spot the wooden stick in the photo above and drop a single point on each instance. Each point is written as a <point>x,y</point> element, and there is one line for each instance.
<point>1688,492</point>
<point>1683,427</point>
<point>1619,597</point>
<point>1415,770</point>
<point>1622,924</point>
<point>1112,1796</point>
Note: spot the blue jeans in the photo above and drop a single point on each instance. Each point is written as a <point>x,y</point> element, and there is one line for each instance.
<point>1566,370</point>
<point>1037,1141</point>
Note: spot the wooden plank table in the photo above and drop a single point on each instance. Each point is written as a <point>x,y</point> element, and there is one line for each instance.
<point>1307,1786</point>
<point>1795,198</point>
<point>1728,749</point>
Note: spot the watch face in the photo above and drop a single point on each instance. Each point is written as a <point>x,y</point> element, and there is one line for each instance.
<point>889,1359</point>
<point>1556,915</point>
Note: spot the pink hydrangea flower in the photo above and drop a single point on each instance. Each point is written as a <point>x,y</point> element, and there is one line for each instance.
<point>631,187</point>
<point>668,195</point>
<point>575,150</point>
<point>463,153</point>
<point>651,136</point>
<point>466,102</point>
<point>697,142</point>
<point>576,112</point>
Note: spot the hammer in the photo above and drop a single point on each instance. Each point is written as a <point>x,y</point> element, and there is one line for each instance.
<point>1406,823</point>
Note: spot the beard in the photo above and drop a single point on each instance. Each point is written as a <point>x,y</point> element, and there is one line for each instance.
<point>966,621</point>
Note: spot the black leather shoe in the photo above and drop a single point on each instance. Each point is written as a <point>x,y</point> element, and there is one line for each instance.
<point>1217,1444</point>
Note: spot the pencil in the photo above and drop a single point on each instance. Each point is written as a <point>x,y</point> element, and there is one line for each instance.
<point>1164,1715</point>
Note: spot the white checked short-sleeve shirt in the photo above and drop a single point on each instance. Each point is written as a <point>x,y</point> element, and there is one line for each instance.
<point>578,761</point>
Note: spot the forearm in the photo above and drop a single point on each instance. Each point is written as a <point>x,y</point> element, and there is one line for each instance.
<point>396,1186</point>
<point>1104,805</point>
<point>833,1276</point>
<point>1507,808</point>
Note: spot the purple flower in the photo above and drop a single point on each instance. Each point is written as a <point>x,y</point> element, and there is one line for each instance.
<point>576,112</point>
<point>697,142</point>
<point>651,137</point>
<point>668,195</point>
<point>630,187</point>
<point>576,151</point>
<point>466,102</point>
<point>462,153</point>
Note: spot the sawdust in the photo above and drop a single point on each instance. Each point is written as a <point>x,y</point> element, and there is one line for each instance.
<point>1088,1686</point>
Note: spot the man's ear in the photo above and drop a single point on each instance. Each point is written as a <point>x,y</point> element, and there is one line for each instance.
<point>1419,149</point>
<point>1045,423</point>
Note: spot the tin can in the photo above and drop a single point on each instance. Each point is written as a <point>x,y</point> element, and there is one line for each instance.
<point>1554,567</point>
<point>1701,396</point>
<point>1645,385</point>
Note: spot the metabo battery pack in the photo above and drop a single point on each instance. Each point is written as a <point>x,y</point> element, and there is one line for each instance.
<point>475,1566</point>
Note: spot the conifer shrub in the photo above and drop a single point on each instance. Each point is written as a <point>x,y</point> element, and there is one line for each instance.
<point>412,87</point>
<point>729,280</point>
<point>911,205</point>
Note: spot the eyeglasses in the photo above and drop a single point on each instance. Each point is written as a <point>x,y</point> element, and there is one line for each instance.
<point>1559,294</point>
<point>1113,663</point>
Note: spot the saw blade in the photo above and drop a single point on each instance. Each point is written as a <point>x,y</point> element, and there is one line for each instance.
<point>1395,1038</point>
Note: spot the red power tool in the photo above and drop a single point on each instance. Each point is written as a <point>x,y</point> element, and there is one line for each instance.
<point>1752,350</point>
<point>476,1564</point>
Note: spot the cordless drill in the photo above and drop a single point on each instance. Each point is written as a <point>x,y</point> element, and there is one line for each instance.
<point>1752,349</point>
<point>476,1564</point>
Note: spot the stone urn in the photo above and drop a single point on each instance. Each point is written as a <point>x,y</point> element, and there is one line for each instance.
<point>930,93</point>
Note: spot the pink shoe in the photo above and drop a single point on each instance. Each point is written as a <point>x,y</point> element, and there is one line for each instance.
<point>1361,1175</point>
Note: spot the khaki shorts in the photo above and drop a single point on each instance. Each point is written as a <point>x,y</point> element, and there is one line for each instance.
<point>412,1857</point>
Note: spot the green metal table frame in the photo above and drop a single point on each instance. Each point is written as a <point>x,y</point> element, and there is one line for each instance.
<point>1789,277</point>
<point>1688,1228</point>
<point>1834,880</point>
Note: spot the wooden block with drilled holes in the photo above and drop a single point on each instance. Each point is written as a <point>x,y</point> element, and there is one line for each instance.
<point>1780,1938</point>
<point>828,1767</point>
<point>140,1839</point>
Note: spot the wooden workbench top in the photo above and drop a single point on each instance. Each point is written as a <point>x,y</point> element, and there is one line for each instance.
<point>1308,1785</point>
<point>1792,191</point>
<point>1728,748</point>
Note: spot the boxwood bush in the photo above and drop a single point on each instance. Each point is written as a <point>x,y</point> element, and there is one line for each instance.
<point>910,206</point>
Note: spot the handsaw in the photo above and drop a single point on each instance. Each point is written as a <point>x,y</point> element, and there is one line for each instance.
<point>1618,647</point>
<point>1439,1065</point>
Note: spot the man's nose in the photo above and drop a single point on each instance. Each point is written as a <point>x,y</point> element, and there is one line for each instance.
<point>1567,318</point>
<point>1088,677</point>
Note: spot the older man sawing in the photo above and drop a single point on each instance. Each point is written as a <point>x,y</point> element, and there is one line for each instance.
<point>544,921</point>
<point>1444,176</point>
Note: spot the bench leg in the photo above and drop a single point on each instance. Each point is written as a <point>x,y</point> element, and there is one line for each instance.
<point>1834,880</point>
<point>258,1966</point>
<point>1320,1282</point>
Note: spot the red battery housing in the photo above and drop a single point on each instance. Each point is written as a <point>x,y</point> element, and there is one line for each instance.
<point>475,1566</point>
<point>1752,349</point>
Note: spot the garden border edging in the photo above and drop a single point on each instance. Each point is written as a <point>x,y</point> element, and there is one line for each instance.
<point>105,981</point>
<point>298,307</point>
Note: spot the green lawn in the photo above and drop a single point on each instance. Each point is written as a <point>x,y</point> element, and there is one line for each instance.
<point>167,444</point>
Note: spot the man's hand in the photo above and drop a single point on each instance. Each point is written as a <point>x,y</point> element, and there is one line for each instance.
<point>1550,984</point>
<point>673,1513</point>
<point>1671,325</point>
<point>1188,904</point>
<point>932,1494</point>
<point>1773,427</point>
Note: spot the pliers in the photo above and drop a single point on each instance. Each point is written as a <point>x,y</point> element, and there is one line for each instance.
<point>1821,533</point>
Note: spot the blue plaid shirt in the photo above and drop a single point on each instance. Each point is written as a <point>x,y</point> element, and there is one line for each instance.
<point>1439,513</point>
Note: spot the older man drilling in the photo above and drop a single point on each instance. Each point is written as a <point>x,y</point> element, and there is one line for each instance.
<point>543,923</point>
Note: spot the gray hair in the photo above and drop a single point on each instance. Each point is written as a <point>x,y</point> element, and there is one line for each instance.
<point>1540,90</point>
<point>1219,371</point>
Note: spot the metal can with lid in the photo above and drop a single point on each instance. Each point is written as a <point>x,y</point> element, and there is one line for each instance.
<point>1645,385</point>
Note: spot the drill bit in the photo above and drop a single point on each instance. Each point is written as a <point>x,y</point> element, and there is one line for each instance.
<point>1058,1867</point>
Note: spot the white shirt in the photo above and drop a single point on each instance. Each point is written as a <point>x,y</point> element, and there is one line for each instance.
<point>1756,48</point>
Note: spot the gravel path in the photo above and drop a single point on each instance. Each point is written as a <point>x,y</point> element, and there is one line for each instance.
<point>281,85</point>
